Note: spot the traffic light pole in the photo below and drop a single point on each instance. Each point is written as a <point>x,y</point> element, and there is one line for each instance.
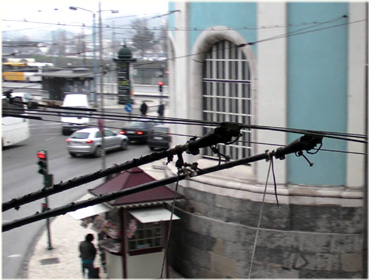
<point>49,246</point>
<point>48,182</point>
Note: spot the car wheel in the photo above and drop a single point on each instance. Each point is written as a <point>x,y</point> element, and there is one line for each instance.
<point>98,151</point>
<point>73,154</point>
<point>123,145</point>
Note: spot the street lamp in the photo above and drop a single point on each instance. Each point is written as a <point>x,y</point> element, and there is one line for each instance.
<point>101,121</point>
<point>94,49</point>
<point>101,83</point>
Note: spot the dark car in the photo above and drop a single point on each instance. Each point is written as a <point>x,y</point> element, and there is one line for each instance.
<point>137,131</point>
<point>159,137</point>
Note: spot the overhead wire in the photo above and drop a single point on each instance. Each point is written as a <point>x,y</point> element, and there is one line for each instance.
<point>193,29</point>
<point>361,138</point>
<point>288,34</point>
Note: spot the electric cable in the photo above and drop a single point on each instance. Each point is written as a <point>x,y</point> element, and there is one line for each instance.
<point>105,116</point>
<point>108,197</point>
<point>170,228</point>
<point>259,219</point>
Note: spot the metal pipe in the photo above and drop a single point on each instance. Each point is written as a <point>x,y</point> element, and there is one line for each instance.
<point>101,90</point>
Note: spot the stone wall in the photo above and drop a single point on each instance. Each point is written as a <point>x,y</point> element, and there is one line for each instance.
<point>215,239</point>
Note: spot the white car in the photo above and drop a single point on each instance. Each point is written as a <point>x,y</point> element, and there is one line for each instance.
<point>88,141</point>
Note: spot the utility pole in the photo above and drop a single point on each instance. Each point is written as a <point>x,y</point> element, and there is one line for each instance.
<point>101,89</point>
<point>83,42</point>
<point>95,61</point>
<point>48,182</point>
<point>113,39</point>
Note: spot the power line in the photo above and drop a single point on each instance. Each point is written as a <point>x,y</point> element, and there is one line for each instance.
<point>222,134</point>
<point>288,34</point>
<point>108,197</point>
<point>361,138</point>
<point>123,118</point>
<point>240,28</point>
<point>81,24</point>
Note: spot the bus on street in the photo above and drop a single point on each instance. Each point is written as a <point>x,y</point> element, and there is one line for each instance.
<point>23,71</point>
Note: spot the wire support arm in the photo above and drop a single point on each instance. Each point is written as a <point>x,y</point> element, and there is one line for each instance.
<point>221,134</point>
<point>306,142</point>
<point>106,198</point>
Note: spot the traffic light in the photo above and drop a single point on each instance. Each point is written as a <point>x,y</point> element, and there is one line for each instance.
<point>160,86</point>
<point>42,162</point>
<point>44,207</point>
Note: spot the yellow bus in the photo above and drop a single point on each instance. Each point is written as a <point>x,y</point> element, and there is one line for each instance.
<point>23,71</point>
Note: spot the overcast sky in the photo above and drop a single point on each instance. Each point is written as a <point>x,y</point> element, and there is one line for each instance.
<point>44,10</point>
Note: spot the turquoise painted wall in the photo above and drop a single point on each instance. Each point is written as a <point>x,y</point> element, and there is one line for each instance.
<point>235,15</point>
<point>171,21</point>
<point>317,89</point>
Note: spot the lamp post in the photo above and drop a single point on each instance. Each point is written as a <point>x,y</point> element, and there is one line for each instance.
<point>101,64</point>
<point>94,49</point>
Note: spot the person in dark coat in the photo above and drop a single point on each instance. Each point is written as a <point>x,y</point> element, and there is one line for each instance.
<point>161,110</point>
<point>87,254</point>
<point>143,108</point>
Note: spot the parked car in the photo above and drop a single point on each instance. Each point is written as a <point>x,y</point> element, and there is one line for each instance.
<point>88,142</point>
<point>159,137</point>
<point>137,131</point>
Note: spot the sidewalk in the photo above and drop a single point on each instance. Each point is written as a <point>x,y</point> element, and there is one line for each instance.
<point>63,262</point>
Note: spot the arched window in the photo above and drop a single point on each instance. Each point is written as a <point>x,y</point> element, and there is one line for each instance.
<point>227,94</point>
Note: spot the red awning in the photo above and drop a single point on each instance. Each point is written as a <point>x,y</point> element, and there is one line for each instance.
<point>132,178</point>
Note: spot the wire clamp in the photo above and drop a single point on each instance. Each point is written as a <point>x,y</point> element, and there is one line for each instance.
<point>300,153</point>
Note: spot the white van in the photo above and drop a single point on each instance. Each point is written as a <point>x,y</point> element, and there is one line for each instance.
<point>73,120</point>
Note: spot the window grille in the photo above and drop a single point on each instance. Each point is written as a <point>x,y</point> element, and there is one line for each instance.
<point>145,236</point>
<point>227,96</point>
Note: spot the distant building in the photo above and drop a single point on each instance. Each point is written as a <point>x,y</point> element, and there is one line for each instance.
<point>297,65</point>
<point>57,83</point>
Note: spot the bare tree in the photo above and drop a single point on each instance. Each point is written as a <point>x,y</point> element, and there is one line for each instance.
<point>143,39</point>
<point>163,37</point>
<point>59,42</point>
<point>80,45</point>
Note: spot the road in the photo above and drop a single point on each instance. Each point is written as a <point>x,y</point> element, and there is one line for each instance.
<point>34,88</point>
<point>20,177</point>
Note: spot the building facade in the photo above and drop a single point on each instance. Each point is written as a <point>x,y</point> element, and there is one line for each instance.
<point>286,65</point>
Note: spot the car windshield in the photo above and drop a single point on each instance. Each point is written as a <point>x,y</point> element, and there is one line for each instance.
<point>80,135</point>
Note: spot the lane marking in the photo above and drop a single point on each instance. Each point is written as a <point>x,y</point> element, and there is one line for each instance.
<point>15,256</point>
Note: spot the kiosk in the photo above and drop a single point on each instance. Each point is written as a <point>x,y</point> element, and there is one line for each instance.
<point>133,229</point>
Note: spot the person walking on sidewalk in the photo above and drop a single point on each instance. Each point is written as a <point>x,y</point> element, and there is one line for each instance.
<point>143,108</point>
<point>161,111</point>
<point>87,254</point>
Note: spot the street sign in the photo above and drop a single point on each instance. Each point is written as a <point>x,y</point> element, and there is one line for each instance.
<point>128,108</point>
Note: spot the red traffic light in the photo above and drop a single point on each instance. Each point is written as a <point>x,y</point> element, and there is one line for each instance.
<point>42,162</point>
<point>41,155</point>
<point>160,83</point>
<point>44,207</point>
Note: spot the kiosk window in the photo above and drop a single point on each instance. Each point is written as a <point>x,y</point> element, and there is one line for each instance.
<point>144,236</point>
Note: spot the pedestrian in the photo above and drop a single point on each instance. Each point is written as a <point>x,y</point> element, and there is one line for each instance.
<point>161,110</point>
<point>87,254</point>
<point>143,108</point>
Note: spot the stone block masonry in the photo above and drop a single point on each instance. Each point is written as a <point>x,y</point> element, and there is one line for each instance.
<point>295,241</point>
